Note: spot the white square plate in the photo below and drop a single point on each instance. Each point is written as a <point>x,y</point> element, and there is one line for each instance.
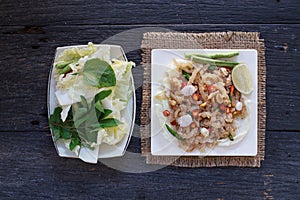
<point>164,144</point>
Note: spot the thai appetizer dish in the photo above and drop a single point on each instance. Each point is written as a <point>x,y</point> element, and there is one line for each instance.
<point>202,100</point>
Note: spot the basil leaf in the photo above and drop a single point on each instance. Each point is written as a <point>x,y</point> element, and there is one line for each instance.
<point>74,142</point>
<point>102,95</point>
<point>80,115</point>
<point>105,114</point>
<point>55,117</point>
<point>55,123</point>
<point>99,106</point>
<point>99,73</point>
<point>69,129</point>
<point>84,102</point>
<point>56,132</point>
<point>65,133</point>
<point>87,134</point>
<point>88,129</point>
<point>109,122</point>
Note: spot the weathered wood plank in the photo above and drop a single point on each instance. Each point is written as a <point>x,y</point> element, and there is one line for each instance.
<point>26,59</point>
<point>42,13</point>
<point>30,166</point>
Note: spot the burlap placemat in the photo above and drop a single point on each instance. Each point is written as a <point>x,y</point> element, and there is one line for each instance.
<point>216,40</point>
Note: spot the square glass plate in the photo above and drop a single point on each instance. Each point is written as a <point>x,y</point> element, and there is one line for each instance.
<point>164,144</point>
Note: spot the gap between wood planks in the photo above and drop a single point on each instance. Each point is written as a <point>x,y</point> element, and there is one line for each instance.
<point>33,29</point>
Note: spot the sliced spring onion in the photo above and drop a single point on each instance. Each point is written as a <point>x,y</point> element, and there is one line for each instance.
<point>225,63</point>
<point>215,55</point>
<point>174,133</point>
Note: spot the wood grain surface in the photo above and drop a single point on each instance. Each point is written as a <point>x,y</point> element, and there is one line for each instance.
<point>31,30</point>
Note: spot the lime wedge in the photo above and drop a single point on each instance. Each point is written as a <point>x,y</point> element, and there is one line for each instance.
<point>241,78</point>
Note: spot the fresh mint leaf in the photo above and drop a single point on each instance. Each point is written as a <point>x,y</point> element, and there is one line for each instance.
<point>109,122</point>
<point>99,73</point>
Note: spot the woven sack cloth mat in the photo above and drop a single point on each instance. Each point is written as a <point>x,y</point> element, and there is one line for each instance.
<point>213,40</point>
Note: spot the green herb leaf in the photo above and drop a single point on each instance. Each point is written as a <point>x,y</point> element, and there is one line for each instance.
<point>84,102</point>
<point>99,73</point>
<point>55,117</point>
<point>62,64</point>
<point>174,133</point>
<point>99,106</point>
<point>56,131</point>
<point>80,115</point>
<point>54,123</point>
<point>88,132</point>
<point>102,95</point>
<point>230,137</point>
<point>109,122</point>
<point>65,69</point>
<point>75,140</point>
<point>105,114</point>
<point>186,75</point>
<point>65,133</point>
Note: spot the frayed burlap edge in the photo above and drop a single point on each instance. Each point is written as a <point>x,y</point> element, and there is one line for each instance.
<point>217,40</point>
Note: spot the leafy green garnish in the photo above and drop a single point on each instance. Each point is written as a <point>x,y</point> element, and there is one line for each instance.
<point>83,121</point>
<point>63,130</point>
<point>63,64</point>
<point>230,137</point>
<point>174,133</point>
<point>99,73</point>
<point>75,140</point>
<point>105,114</point>
<point>186,75</point>
<point>109,122</point>
<point>102,95</point>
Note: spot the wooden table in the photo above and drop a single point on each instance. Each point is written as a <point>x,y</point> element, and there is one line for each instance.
<point>31,30</point>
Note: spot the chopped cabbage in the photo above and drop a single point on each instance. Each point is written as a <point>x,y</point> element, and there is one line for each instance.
<point>70,87</point>
<point>75,53</point>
